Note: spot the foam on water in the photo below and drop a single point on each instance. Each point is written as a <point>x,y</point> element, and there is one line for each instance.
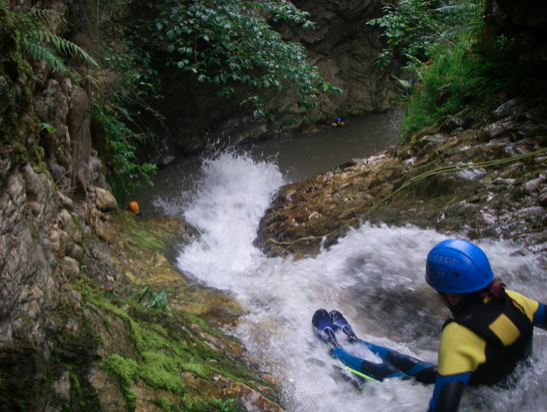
<point>374,276</point>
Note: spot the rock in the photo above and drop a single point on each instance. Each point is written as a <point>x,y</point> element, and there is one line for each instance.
<point>71,266</point>
<point>461,187</point>
<point>103,199</point>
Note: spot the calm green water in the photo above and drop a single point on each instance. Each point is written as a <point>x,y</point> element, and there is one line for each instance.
<point>297,157</point>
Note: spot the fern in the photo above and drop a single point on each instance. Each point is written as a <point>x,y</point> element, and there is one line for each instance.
<point>471,21</point>
<point>40,51</point>
<point>45,36</point>
<point>38,42</point>
<point>458,9</point>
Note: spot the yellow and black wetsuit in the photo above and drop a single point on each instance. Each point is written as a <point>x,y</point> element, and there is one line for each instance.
<point>482,344</point>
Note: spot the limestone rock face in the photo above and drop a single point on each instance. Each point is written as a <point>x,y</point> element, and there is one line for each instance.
<point>345,48</point>
<point>64,247</point>
<point>483,181</point>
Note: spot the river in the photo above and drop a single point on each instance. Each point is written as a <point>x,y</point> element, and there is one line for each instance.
<point>374,276</point>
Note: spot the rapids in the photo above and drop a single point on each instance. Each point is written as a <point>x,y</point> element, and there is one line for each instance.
<point>374,276</point>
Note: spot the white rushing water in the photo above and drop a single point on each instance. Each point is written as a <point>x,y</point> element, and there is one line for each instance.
<point>374,276</point>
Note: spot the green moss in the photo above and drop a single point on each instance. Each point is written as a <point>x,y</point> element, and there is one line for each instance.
<point>164,343</point>
<point>125,371</point>
<point>161,371</point>
<point>160,330</point>
<point>164,404</point>
<point>199,369</point>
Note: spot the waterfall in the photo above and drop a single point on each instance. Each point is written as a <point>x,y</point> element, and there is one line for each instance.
<point>374,276</point>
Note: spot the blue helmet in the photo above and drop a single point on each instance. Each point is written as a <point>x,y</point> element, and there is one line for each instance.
<point>458,266</point>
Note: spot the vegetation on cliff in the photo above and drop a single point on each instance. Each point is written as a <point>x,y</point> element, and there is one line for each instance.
<point>220,43</point>
<point>449,55</point>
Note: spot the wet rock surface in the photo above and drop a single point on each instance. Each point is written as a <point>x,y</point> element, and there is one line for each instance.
<point>488,180</point>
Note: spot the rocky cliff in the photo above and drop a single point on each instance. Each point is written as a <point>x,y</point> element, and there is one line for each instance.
<point>83,284</point>
<point>81,325</point>
<point>486,180</point>
<point>477,182</point>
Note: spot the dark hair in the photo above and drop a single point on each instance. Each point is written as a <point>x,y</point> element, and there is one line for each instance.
<point>495,290</point>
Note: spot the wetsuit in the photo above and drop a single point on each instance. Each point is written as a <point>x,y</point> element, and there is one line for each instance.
<point>394,364</point>
<point>481,345</point>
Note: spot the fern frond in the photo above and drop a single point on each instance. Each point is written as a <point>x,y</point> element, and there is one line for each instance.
<point>415,66</point>
<point>469,8</point>
<point>405,84</point>
<point>459,31</point>
<point>41,17</point>
<point>63,45</point>
<point>41,52</point>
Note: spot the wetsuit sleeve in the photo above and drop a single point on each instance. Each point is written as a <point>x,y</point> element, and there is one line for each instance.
<point>540,317</point>
<point>536,311</point>
<point>460,353</point>
<point>448,392</point>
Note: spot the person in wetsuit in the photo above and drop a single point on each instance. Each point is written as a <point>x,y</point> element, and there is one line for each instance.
<point>489,333</point>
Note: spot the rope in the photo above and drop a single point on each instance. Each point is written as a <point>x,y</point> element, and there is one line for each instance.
<point>201,234</point>
<point>458,168</point>
<point>306,238</point>
<point>444,169</point>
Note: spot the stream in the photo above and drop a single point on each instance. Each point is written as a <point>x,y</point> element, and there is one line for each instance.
<point>374,276</point>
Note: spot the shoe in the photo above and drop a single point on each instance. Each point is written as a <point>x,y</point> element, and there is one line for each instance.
<point>339,322</point>
<point>323,327</point>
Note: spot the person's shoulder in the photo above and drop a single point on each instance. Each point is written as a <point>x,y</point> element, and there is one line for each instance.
<point>517,296</point>
<point>529,305</point>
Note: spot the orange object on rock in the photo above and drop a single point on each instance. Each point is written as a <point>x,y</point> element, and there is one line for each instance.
<point>133,207</point>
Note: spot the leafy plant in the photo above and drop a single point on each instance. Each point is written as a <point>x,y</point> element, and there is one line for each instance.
<point>417,27</point>
<point>120,146</point>
<point>224,406</point>
<point>410,27</point>
<point>225,42</point>
<point>40,43</point>
<point>451,60</point>
<point>456,78</point>
<point>157,300</point>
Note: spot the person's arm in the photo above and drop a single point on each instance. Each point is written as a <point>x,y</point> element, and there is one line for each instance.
<point>536,311</point>
<point>540,317</point>
<point>448,392</point>
<point>460,353</point>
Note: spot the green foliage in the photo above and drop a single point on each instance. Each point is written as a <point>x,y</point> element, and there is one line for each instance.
<point>411,25</point>
<point>417,27</point>
<point>224,406</point>
<point>456,78</point>
<point>40,43</point>
<point>451,62</point>
<point>154,300</point>
<point>466,22</point>
<point>120,147</point>
<point>157,300</point>
<point>117,112</point>
<point>229,42</point>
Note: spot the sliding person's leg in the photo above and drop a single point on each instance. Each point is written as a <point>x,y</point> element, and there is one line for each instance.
<point>422,371</point>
